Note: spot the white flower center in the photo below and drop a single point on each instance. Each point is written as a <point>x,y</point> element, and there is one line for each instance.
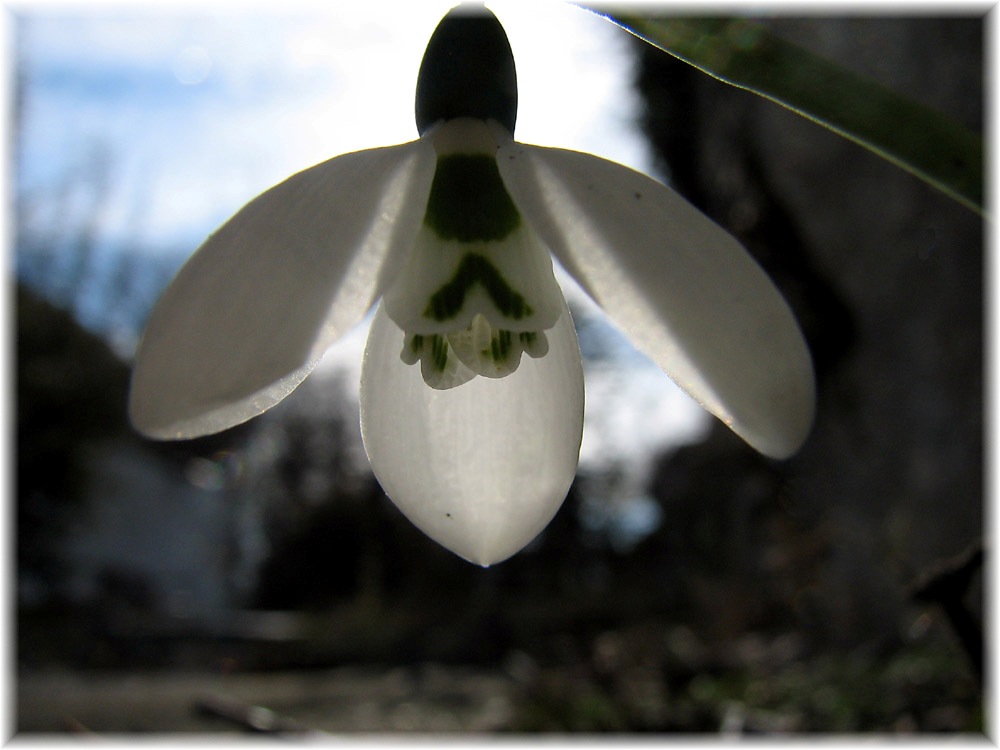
<point>477,290</point>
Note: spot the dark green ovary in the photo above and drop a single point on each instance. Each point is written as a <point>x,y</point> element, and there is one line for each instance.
<point>468,201</point>
<point>474,269</point>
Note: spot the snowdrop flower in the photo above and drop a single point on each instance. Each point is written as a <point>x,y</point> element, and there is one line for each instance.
<point>472,382</point>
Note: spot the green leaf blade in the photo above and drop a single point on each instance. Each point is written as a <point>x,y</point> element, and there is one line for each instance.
<point>741,53</point>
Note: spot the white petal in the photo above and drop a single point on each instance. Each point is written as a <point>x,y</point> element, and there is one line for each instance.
<point>251,313</point>
<point>683,289</point>
<point>483,467</point>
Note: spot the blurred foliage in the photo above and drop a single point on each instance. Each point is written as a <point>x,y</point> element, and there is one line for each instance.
<point>646,680</point>
<point>69,395</point>
<point>745,54</point>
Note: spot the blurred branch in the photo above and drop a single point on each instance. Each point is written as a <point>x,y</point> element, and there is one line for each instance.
<point>250,718</point>
<point>744,54</point>
<point>946,585</point>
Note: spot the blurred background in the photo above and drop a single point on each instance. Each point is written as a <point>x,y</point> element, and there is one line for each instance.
<point>259,580</point>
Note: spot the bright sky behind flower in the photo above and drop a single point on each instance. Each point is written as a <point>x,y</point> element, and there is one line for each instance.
<point>180,98</point>
<point>148,126</point>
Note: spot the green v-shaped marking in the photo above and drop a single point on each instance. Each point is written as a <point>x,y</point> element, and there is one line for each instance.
<point>474,269</point>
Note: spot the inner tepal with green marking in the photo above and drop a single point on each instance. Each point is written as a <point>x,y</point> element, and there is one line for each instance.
<point>480,288</point>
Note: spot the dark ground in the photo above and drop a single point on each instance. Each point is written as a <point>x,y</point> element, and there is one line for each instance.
<point>560,676</point>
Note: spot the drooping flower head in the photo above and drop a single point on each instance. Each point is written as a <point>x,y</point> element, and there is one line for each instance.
<point>472,381</point>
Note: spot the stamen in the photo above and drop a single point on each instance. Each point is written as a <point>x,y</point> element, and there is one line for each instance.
<point>449,360</point>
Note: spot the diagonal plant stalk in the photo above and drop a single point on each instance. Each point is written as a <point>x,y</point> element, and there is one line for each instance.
<point>737,51</point>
